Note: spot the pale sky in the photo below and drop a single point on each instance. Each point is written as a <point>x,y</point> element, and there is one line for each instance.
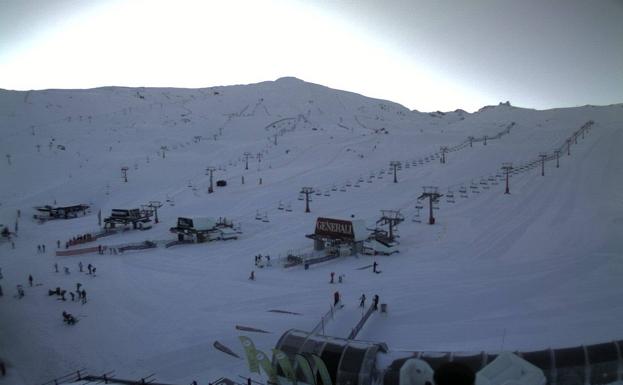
<point>425,54</point>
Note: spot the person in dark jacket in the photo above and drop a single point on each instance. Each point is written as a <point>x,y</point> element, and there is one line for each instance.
<point>336,298</point>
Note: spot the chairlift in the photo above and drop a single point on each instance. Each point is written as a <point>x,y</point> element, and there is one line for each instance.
<point>369,180</point>
<point>360,180</point>
<point>301,197</point>
<point>265,218</point>
<point>419,206</point>
<point>334,188</point>
<point>348,184</point>
<point>327,193</point>
<point>258,216</point>
<point>289,208</point>
<point>357,184</point>
<point>280,207</point>
<point>318,192</point>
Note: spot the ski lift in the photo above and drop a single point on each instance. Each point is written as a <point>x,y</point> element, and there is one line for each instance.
<point>419,206</point>
<point>280,207</point>
<point>265,218</point>
<point>450,196</point>
<point>258,216</point>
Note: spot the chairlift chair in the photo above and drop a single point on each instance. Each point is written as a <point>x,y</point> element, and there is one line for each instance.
<point>327,193</point>
<point>258,216</point>
<point>334,188</point>
<point>301,197</point>
<point>265,218</point>
<point>289,208</point>
<point>280,207</point>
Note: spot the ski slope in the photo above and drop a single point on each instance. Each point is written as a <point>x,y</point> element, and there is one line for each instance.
<point>540,267</point>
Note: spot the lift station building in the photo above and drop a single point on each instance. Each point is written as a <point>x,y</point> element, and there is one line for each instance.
<point>339,237</point>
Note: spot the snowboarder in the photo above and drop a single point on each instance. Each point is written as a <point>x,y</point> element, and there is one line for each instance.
<point>252,276</point>
<point>80,266</point>
<point>362,300</point>
<point>84,296</point>
<point>30,280</point>
<point>332,275</point>
<point>375,301</point>
<point>374,265</point>
<point>56,267</point>
<point>336,298</point>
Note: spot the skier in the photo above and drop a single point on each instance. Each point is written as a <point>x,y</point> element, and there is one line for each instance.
<point>43,248</point>
<point>80,266</point>
<point>30,280</point>
<point>73,296</point>
<point>56,267</point>
<point>362,299</point>
<point>99,249</point>
<point>90,268</point>
<point>20,291</point>
<point>78,285</point>
<point>332,275</point>
<point>94,271</point>
<point>84,296</point>
<point>38,249</point>
<point>252,276</point>
<point>1,293</point>
<point>58,244</point>
<point>340,278</point>
<point>336,298</point>
<point>66,269</point>
<point>375,301</point>
<point>374,265</point>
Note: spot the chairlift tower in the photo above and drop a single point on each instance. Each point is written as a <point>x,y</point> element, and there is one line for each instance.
<point>485,140</point>
<point>391,218</point>
<point>557,152</point>
<point>568,147</point>
<point>246,160</point>
<point>444,150</point>
<point>124,174</point>
<point>155,205</point>
<point>307,191</point>
<point>471,141</point>
<point>432,193</point>
<point>210,170</point>
<point>543,155</point>
<point>507,167</point>
<point>395,164</point>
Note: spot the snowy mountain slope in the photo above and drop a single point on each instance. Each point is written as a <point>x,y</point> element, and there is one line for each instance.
<point>494,268</point>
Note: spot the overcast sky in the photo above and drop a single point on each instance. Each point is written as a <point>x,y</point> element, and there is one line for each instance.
<point>425,54</point>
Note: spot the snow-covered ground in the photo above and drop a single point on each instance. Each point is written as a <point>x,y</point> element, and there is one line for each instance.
<point>538,268</point>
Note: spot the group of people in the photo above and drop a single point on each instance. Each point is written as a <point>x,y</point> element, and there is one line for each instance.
<point>259,258</point>
<point>375,301</point>
<point>81,294</point>
<point>76,240</point>
<point>91,269</point>
<point>41,248</point>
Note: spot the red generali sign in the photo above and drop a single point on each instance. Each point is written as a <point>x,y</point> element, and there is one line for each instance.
<point>334,228</point>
